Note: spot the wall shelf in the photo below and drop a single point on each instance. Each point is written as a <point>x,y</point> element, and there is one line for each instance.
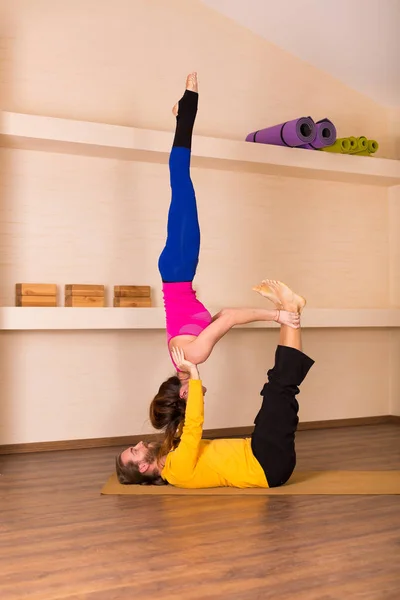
<point>61,318</point>
<point>128,143</point>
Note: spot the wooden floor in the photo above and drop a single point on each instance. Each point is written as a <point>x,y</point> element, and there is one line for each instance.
<point>59,539</point>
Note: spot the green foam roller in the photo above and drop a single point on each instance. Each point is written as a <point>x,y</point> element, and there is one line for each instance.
<point>341,146</point>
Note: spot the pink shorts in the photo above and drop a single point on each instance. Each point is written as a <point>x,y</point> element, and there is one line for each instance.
<point>185,315</point>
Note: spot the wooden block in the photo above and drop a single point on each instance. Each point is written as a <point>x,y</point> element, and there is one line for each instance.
<point>35,289</point>
<point>36,301</point>
<point>78,289</point>
<point>132,302</point>
<point>132,291</point>
<point>85,301</point>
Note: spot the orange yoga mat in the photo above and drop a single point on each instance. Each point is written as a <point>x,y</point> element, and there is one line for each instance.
<point>301,483</point>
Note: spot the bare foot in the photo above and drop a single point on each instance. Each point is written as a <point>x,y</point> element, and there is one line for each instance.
<point>264,290</point>
<point>191,85</point>
<point>191,82</point>
<point>289,300</point>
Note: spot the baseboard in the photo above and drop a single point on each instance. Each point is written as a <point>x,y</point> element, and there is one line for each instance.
<point>306,425</point>
<point>356,422</point>
<point>229,432</point>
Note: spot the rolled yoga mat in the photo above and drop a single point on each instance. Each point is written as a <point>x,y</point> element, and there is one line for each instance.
<point>372,147</point>
<point>358,144</point>
<point>292,133</point>
<point>352,145</point>
<point>326,135</point>
<point>341,146</point>
<point>301,483</point>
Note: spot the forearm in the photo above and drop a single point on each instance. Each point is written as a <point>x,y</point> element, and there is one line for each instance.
<point>194,414</point>
<point>194,373</point>
<point>183,460</point>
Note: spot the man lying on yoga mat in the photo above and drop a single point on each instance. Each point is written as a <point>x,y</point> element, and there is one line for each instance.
<point>267,459</point>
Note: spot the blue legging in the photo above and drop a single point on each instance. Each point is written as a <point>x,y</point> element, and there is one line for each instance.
<point>178,261</point>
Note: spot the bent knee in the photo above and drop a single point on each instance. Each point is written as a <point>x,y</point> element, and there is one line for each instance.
<point>228,314</point>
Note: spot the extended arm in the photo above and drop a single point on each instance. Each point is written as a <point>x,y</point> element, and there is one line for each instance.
<point>183,460</point>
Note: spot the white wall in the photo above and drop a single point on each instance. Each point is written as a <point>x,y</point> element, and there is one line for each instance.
<point>394,391</point>
<point>96,60</point>
<point>69,219</point>
<point>394,221</point>
<point>394,124</point>
<point>357,42</point>
<point>72,219</point>
<point>58,386</point>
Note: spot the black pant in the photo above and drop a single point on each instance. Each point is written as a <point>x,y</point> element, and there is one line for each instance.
<point>273,437</point>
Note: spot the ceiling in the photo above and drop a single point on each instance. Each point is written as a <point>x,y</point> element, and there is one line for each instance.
<point>356,41</point>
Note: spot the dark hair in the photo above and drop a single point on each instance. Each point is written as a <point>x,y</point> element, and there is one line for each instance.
<point>167,413</point>
<point>129,474</point>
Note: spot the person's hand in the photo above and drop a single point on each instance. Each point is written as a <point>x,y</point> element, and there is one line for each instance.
<point>183,364</point>
<point>285,317</point>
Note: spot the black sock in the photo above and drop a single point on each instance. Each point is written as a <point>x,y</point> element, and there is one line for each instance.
<point>187,110</point>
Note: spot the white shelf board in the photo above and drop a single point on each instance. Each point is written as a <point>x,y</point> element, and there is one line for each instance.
<point>63,318</point>
<point>128,143</point>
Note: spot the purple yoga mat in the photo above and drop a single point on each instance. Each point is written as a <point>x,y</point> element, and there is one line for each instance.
<point>292,133</point>
<point>326,135</point>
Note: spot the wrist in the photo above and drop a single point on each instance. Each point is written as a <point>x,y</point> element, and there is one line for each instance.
<point>182,375</point>
<point>194,373</point>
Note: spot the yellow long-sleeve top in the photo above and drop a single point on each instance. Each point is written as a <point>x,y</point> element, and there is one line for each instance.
<point>198,463</point>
